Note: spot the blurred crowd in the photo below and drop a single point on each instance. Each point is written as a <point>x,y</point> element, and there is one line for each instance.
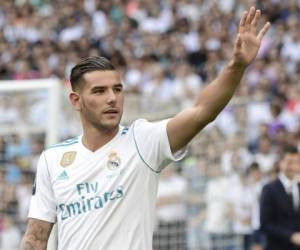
<point>167,50</point>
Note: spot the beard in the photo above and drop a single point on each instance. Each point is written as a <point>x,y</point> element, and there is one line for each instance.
<point>98,121</point>
<point>106,125</point>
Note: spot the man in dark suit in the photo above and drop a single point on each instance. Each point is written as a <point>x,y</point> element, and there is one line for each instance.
<point>279,205</point>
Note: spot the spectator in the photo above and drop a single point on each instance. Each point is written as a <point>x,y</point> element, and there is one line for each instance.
<point>2,150</point>
<point>256,182</point>
<point>10,236</point>
<point>17,147</point>
<point>23,195</point>
<point>235,157</point>
<point>217,222</point>
<point>280,208</point>
<point>266,156</point>
<point>171,212</point>
<point>241,200</point>
<point>33,44</point>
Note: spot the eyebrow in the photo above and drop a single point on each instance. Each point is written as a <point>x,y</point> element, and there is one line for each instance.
<point>118,85</point>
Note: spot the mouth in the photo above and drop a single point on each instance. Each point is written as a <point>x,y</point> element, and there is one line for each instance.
<point>111,112</point>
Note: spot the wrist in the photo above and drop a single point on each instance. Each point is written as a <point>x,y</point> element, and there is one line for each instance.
<point>235,65</point>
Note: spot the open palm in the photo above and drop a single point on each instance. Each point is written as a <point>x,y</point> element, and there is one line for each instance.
<point>248,40</point>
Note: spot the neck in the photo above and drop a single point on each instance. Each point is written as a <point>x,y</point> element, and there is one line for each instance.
<point>290,178</point>
<point>94,139</point>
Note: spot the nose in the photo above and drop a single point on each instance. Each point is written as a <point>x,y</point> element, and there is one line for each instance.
<point>111,96</point>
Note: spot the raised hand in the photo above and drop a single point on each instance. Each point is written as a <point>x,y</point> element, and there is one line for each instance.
<point>248,39</point>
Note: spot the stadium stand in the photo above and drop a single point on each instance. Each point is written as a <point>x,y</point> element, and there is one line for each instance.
<point>167,51</point>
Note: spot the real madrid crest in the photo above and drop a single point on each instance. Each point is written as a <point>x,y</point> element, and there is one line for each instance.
<point>68,158</point>
<point>114,161</point>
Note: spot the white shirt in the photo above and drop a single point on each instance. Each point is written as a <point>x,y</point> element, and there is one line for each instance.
<point>266,161</point>
<point>10,238</point>
<point>172,186</point>
<point>242,199</point>
<point>291,49</point>
<point>257,113</point>
<point>255,217</point>
<point>158,24</point>
<point>103,199</point>
<point>216,197</point>
<point>23,194</point>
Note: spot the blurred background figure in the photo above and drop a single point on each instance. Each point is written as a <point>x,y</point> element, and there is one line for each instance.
<point>280,206</point>
<point>167,51</point>
<point>218,222</point>
<point>171,231</point>
<point>241,201</point>
<point>256,182</point>
<point>10,236</point>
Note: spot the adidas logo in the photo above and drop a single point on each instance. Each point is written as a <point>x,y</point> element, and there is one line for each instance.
<point>124,131</point>
<point>63,176</point>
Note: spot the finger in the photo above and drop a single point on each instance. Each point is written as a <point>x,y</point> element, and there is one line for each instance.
<point>250,17</point>
<point>242,22</point>
<point>263,31</point>
<point>256,18</point>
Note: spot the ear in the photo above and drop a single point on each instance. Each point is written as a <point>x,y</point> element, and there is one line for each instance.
<point>74,98</point>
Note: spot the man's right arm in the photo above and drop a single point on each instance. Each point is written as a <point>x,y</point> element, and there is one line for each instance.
<point>36,235</point>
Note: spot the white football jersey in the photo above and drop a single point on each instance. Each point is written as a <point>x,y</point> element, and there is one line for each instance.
<point>103,200</point>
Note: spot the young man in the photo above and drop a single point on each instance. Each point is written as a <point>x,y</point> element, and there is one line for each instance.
<point>101,187</point>
<point>280,205</point>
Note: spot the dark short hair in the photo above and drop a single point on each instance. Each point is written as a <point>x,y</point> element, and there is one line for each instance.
<point>289,149</point>
<point>254,166</point>
<point>88,65</point>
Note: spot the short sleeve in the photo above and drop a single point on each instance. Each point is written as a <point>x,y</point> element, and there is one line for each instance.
<point>42,204</point>
<point>153,145</point>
